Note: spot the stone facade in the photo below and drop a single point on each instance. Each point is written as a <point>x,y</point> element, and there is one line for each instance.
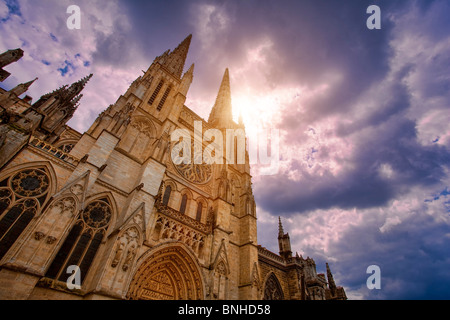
<point>108,214</point>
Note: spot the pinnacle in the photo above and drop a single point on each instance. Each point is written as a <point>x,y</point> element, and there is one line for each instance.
<point>86,79</point>
<point>190,70</point>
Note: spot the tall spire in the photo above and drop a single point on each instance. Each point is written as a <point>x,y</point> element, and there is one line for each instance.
<point>280,228</point>
<point>331,283</point>
<point>23,87</point>
<point>221,113</point>
<point>177,58</point>
<point>64,96</point>
<point>77,87</point>
<point>187,80</point>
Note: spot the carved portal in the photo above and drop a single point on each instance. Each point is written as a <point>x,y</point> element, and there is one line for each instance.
<point>168,274</point>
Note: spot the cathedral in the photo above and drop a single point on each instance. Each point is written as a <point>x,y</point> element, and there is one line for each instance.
<point>109,214</point>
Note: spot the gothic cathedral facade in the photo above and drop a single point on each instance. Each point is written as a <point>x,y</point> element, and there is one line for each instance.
<point>108,214</point>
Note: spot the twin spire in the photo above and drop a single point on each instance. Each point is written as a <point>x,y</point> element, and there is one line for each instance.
<point>221,115</point>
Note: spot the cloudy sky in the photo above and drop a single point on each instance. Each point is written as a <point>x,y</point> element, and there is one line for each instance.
<point>363,114</point>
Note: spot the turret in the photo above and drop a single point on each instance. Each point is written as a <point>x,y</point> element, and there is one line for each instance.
<point>284,242</point>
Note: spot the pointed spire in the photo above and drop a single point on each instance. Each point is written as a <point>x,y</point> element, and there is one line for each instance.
<point>221,113</point>
<point>187,80</point>
<point>331,283</point>
<point>76,99</point>
<point>280,228</point>
<point>75,89</point>
<point>190,71</point>
<point>65,92</point>
<point>23,87</point>
<point>177,58</point>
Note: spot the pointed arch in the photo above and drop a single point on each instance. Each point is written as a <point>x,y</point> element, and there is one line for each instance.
<point>202,208</point>
<point>24,191</point>
<point>37,164</point>
<point>111,201</point>
<point>186,200</point>
<point>66,145</point>
<point>137,218</point>
<point>77,187</point>
<point>221,255</point>
<point>272,288</point>
<point>168,271</point>
<point>169,188</point>
<point>84,239</point>
<point>256,279</point>
<point>221,192</point>
<point>167,194</point>
<point>220,274</point>
<point>127,245</point>
<point>183,205</point>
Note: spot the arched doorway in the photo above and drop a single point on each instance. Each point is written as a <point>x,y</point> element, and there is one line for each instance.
<point>168,273</point>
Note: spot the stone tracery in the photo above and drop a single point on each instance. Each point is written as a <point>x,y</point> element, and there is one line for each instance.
<point>169,273</point>
<point>21,197</point>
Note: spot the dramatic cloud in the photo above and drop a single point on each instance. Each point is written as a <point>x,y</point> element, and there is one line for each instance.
<point>363,115</point>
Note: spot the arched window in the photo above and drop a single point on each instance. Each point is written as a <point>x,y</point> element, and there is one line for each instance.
<point>167,195</point>
<point>199,211</point>
<point>272,289</point>
<point>183,204</point>
<point>21,197</point>
<point>83,241</point>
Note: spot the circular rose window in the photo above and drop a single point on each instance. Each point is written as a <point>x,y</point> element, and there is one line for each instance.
<point>197,170</point>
